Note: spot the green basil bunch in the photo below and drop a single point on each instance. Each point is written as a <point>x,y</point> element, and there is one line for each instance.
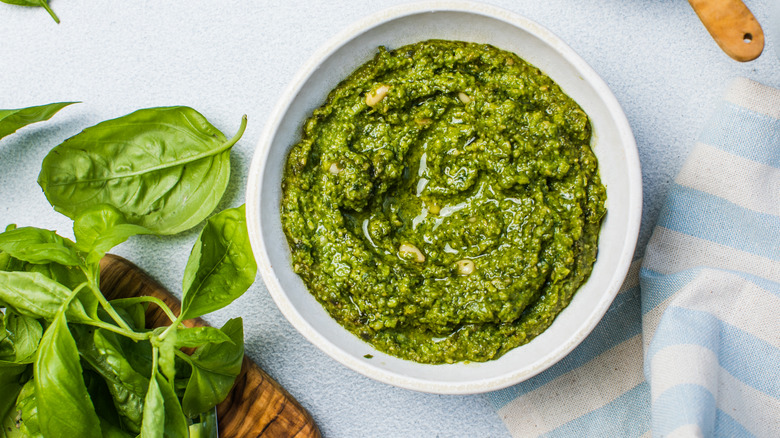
<point>73,364</point>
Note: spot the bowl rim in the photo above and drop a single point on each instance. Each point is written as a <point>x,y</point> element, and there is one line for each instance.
<point>263,149</point>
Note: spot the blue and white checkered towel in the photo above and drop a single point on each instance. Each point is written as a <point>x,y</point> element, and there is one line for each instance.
<point>697,352</point>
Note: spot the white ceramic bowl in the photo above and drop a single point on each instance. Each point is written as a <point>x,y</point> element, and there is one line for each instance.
<point>612,142</point>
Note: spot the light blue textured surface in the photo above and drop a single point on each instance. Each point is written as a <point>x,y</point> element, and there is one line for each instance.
<point>234,57</point>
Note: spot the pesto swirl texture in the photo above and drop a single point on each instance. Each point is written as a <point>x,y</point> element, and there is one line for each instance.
<point>444,204</point>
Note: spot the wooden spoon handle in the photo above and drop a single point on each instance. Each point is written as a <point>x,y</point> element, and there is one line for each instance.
<point>732,26</point>
<point>257,406</point>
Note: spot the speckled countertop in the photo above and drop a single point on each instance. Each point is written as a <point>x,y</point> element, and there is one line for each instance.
<point>234,57</point>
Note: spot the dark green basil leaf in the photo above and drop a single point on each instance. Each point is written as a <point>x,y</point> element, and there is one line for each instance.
<point>36,245</point>
<point>197,336</point>
<point>102,227</point>
<point>111,430</point>
<point>221,266</point>
<point>10,387</point>
<point>163,168</point>
<point>13,119</point>
<point>110,424</point>
<point>27,405</point>
<point>214,371</point>
<point>37,296</point>
<point>133,314</point>
<point>154,412</point>
<point>64,407</point>
<point>3,333</point>
<point>25,334</point>
<point>109,356</point>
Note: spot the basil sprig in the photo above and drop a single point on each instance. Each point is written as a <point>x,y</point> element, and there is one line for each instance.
<point>71,362</point>
<point>13,119</point>
<point>35,3</point>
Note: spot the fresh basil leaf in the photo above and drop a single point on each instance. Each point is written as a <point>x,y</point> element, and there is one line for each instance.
<point>13,119</point>
<point>102,227</point>
<point>64,407</point>
<point>36,245</point>
<point>37,296</point>
<point>10,387</point>
<point>214,371</point>
<point>163,168</point>
<point>3,333</point>
<point>68,276</point>
<point>101,397</point>
<point>109,356</point>
<point>175,421</point>
<point>197,336</point>
<point>27,405</point>
<point>154,411</point>
<point>221,266</point>
<point>25,334</point>
<point>166,347</point>
<point>110,424</point>
<point>133,314</point>
<point>163,416</point>
<point>111,430</point>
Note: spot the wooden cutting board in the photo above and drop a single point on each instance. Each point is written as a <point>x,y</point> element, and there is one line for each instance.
<point>257,406</point>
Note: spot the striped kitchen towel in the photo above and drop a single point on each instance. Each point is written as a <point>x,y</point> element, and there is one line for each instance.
<point>697,352</point>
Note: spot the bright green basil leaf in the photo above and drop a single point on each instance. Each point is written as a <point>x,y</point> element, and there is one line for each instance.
<point>163,416</point>
<point>64,407</point>
<point>166,346</point>
<point>102,227</point>
<point>13,119</point>
<point>36,245</point>
<point>27,405</point>
<point>197,336</point>
<point>154,412</point>
<point>38,3</point>
<point>163,168</point>
<point>70,277</point>
<point>214,370</point>
<point>175,421</point>
<point>37,296</point>
<point>221,266</point>
<point>25,334</point>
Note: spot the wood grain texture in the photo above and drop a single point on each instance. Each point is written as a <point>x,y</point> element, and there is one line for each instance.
<point>257,406</point>
<point>732,26</point>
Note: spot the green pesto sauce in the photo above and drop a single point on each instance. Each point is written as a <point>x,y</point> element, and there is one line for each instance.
<point>453,218</point>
